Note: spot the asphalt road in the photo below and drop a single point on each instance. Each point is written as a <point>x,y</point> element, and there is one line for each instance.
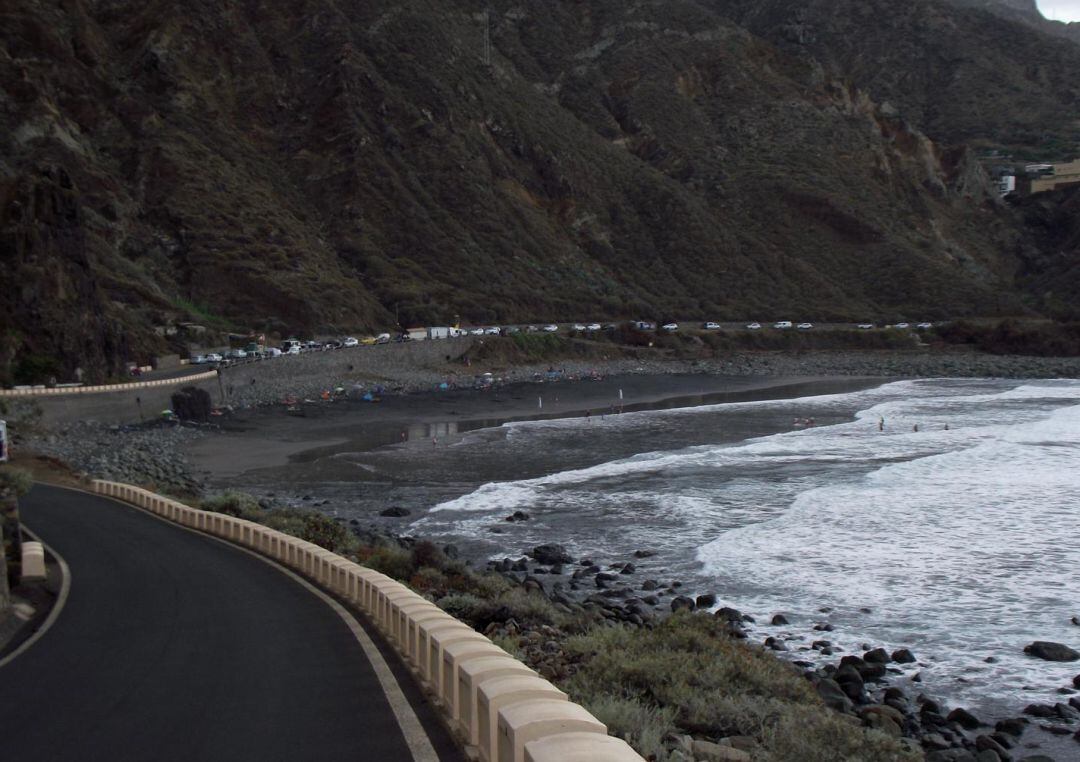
<point>172,646</point>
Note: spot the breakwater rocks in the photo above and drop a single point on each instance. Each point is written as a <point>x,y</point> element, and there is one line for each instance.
<point>147,454</point>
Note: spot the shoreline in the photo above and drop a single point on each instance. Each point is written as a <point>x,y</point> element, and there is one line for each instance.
<point>308,439</point>
<point>268,437</point>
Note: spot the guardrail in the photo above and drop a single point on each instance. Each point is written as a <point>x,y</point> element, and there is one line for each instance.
<point>58,390</point>
<point>491,700</point>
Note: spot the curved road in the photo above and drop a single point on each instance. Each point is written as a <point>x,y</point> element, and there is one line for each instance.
<point>172,646</point>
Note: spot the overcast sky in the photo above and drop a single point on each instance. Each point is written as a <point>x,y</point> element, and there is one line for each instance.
<point>1061,10</point>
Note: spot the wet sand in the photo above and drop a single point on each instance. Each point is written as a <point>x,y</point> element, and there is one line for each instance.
<point>265,438</point>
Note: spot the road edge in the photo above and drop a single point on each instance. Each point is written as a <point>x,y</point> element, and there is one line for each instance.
<point>58,605</point>
<point>412,729</point>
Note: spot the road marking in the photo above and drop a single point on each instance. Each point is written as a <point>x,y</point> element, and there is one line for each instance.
<point>61,599</point>
<point>416,738</point>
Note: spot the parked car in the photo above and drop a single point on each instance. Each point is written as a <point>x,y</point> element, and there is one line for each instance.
<point>755,326</point>
<point>214,357</point>
<point>237,354</point>
<point>367,341</point>
<point>711,326</point>
<point>531,329</point>
<point>902,325</point>
<point>866,326</point>
<point>925,326</point>
<point>382,338</point>
<point>592,327</point>
<point>782,324</point>
<point>805,326</point>
<point>610,327</point>
<point>551,328</point>
<point>350,341</point>
<point>197,360</point>
<point>273,352</point>
<point>510,330</point>
<point>577,327</point>
<point>670,327</point>
<point>476,332</point>
<point>492,331</point>
<point>332,344</point>
<point>293,349</point>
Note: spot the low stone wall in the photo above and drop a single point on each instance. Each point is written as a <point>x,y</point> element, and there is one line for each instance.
<point>492,701</point>
<point>45,391</point>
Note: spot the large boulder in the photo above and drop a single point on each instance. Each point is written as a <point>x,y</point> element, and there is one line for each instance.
<point>551,554</point>
<point>682,602</point>
<point>964,718</point>
<point>833,695</point>
<point>1044,649</point>
<point>192,404</point>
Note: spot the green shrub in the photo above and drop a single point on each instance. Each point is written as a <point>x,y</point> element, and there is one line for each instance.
<point>392,561</point>
<point>428,579</point>
<point>323,531</point>
<point>688,672</point>
<point>462,606</point>
<point>642,726</point>
<point>238,504</point>
<point>428,554</point>
<point>14,482</point>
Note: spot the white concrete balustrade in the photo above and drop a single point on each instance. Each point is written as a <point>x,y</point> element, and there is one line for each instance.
<point>491,700</point>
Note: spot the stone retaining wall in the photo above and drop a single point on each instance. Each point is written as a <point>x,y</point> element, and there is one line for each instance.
<point>493,702</point>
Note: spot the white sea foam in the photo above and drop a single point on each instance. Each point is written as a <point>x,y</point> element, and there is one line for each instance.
<point>958,537</point>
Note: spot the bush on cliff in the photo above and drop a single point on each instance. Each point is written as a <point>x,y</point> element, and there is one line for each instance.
<point>687,675</point>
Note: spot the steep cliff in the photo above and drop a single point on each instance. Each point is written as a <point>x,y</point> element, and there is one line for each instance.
<point>321,165</point>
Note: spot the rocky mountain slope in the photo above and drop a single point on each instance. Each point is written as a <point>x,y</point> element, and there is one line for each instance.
<point>321,165</point>
<point>1026,12</point>
<point>959,74</point>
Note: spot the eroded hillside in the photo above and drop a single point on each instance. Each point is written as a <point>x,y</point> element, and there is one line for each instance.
<point>320,165</point>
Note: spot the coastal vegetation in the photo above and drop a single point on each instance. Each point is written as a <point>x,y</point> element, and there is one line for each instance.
<point>664,685</point>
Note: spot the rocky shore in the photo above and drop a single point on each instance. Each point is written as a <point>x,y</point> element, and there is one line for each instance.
<point>857,686</point>
<point>860,686</point>
<point>149,454</point>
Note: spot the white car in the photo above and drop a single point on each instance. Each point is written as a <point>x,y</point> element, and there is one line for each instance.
<point>237,354</point>
<point>592,327</point>
<point>350,341</point>
<point>866,326</point>
<point>476,332</point>
<point>197,360</point>
<point>272,352</point>
<point>924,326</point>
<point>670,327</point>
<point>550,328</point>
<point>293,350</point>
<point>493,331</point>
<point>577,327</point>
<point>782,324</point>
<point>805,326</point>
<point>902,325</point>
<point>711,326</point>
<point>214,357</point>
<point>754,326</point>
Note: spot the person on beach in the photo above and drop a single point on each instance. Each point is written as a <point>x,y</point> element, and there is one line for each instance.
<point>915,428</point>
<point>881,423</point>
<point>588,415</point>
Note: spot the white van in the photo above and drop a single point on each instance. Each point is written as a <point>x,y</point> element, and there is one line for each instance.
<point>782,324</point>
